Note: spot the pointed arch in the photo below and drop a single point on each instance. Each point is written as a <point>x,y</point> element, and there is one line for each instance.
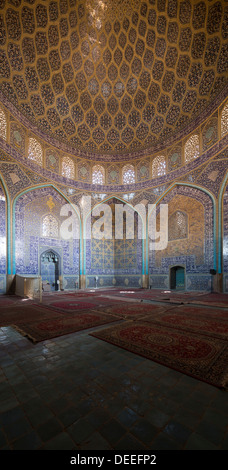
<point>128,174</point>
<point>178,225</point>
<point>98,174</point>
<point>159,166</point>
<point>143,226</point>
<point>35,151</point>
<point>67,167</point>
<point>192,148</point>
<point>75,209</point>
<point>177,184</point>
<point>50,226</point>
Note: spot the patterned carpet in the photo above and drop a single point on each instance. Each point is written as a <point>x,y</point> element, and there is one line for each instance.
<point>25,314</point>
<point>189,338</point>
<point>59,325</point>
<point>213,299</point>
<point>194,320</point>
<point>202,356</point>
<point>42,322</point>
<point>132,310</point>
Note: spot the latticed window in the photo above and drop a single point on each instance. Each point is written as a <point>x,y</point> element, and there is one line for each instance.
<point>224,120</point>
<point>159,166</point>
<point>3,124</point>
<point>68,169</point>
<point>50,226</point>
<point>178,226</point>
<point>128,174</point>
<point>98,175</point>
<point>35,151</point>
<point>191,149</point>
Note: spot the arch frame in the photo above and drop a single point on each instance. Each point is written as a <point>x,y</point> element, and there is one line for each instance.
<point>177,266</point>
<point>220,223</point>
<point>8,226</point>
<point>113,196</point>
<point>33,188</point>
<point>43,217</point>
<point>168,190</point>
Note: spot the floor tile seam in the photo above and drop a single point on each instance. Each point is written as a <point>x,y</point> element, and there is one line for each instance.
<point>12,441</point>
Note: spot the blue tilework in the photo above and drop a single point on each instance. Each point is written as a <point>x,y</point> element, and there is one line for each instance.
<point>2,234</point>
<point>200,278</point>
<point>114,281</point>
<point>225,232</point>
<point>29,241</point>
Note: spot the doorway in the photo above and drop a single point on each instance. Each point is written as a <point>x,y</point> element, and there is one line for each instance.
<point>49,269</point>
<point>177,278</point>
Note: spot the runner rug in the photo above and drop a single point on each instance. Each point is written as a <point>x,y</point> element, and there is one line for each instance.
<point>201,356</point>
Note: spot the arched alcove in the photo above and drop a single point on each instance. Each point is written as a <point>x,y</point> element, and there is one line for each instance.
<point>117,258</point>
<point>31,209</point>
<point>192,248</point>
<point>50,266</point>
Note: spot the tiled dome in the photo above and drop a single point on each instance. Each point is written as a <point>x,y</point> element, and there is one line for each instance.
<point>111,76</point>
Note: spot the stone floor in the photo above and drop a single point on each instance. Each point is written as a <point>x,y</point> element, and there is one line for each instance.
<point>77,392</point>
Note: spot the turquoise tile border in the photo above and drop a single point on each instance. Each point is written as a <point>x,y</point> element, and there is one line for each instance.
<point>8,228</point>
<point>220,223</point>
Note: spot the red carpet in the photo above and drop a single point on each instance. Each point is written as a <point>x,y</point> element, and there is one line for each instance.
<point>40,322</point>
<point>60,325</point>
<point>71,305</point>
<point>213,299</point>
<point>132,310</point>
<point>203,310</point>
<point>21,314</point>
<point>189,320</point>
<point>203,357</point>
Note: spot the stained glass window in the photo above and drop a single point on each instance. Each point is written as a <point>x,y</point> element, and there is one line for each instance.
<point>191,149</point>
<point>35,151</point>
<point>98,175</point>
<point>68,169</point>
<point>159,166</point>
<point>178,226</point>
<point>128,174</point>
<point>50,226</point>
<point>224,120</point>
<point>3,124</point>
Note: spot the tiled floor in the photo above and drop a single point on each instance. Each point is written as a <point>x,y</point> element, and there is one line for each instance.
<point>77,392</point>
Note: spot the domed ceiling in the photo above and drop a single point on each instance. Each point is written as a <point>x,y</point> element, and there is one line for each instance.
<point>112,76</point>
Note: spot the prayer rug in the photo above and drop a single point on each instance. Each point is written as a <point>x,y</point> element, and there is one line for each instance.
<point>215,325</point>
<point>131,310</point>
<point>200,356</point>
<point>28,314</point>
<point>60,325</point>
<point>203,310</point>
<point>213,299</point>
<point>71,305</point>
